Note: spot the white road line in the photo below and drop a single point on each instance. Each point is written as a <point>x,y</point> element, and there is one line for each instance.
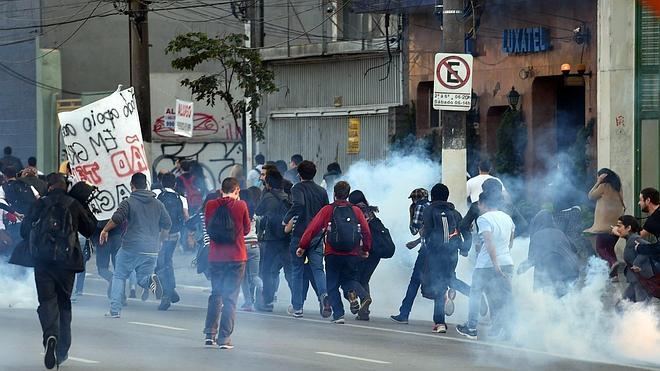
<point>354,358</point>
<point>81,360</point>
<point>159,326</point>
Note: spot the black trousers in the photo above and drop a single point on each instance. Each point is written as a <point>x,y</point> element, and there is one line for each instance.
<point>54,286</point>
<point>275,257</point>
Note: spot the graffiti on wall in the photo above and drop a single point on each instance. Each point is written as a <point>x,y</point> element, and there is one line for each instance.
<point>205,126</point>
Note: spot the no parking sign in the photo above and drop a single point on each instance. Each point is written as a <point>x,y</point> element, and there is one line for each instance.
<point>452,88</point>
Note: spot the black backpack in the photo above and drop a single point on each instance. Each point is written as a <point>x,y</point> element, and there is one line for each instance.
<point>53,236</point>
<point>344,231</point>
<point>19,195</point>
<point>221,228</point>
<point>174,207</point>
<point>382,245</point>
<point>274,220</point>
<point>444,233</point>
<point>442,242</point>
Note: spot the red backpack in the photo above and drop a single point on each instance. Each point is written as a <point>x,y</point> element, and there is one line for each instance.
<point>193,193</point>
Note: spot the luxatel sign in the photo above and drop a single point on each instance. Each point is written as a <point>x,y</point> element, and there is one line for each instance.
<point>183,123</point>
<point>452,87</point>
<point>526,40</point>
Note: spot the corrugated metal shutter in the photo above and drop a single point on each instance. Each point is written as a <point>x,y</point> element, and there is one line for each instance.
<point>323,140</point>
<point>649,63</point>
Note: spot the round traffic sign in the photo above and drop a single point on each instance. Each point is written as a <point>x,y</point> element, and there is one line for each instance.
<point>453,72</point>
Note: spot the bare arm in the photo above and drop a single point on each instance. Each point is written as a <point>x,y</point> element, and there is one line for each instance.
<point>490,247</point>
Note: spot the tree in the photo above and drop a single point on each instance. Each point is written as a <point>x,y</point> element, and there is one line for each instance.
<point>242,72</point>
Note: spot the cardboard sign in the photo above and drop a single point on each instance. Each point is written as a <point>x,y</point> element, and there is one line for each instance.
<point>183,124</point>
<point>104,146</point>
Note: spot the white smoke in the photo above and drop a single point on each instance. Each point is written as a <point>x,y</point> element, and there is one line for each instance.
<point>583,324</point>
<point>17,288</point>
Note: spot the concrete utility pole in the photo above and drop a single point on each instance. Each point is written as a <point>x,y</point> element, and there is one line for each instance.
<point>454,153</point>
<point>139,41</point>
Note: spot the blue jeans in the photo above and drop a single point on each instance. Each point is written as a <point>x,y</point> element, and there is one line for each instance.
<point>342,271</point>
<point>225,284</point>
<point>413,286</point>
<point>252,281</point>
<point>165,267</point>
<point>498,292</point>
<point>127,262</point>
<point>275,257</point>
<point>315,255</point>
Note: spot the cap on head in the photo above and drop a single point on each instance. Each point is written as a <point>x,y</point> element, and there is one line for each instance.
<point>419,194</point>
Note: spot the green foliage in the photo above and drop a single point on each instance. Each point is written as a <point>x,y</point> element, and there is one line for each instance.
<point>242,70</point>
<point>579,158</point>
<point>511,144</point>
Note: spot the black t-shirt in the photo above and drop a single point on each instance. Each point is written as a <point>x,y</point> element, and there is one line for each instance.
<point>652,224</point>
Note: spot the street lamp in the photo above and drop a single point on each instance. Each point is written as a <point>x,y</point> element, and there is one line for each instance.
<point>514,98</point>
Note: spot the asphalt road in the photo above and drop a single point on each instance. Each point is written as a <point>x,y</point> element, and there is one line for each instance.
<point>146,339</point>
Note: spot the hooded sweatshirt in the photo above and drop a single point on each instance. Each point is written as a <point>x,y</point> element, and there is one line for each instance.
<point>145,217</point>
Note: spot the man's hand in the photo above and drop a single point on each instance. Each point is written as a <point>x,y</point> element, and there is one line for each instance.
<point>601,178</point>
<point>300,252</point>
<point>635,269</point>
<point>103,237</point>
<point>364,254</point>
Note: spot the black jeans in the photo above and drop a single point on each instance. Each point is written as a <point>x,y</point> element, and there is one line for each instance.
<point>226,280</point>
<point>275,257</point>
<point>165,266</point>
<point>54,287</point>
<point>342,271</point>
<point>366,270</point>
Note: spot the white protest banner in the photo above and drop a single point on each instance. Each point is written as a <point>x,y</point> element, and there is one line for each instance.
<point>184,118</point>
<point>169,118</point>
<point>104,147</point>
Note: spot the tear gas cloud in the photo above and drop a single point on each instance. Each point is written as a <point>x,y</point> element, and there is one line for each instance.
<point>582,324</point>
<point>17,289</point>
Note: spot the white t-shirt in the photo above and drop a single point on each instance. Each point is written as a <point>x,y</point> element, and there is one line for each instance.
<point>184,201</point>
<point>501,226</point>
<point>474,186</point>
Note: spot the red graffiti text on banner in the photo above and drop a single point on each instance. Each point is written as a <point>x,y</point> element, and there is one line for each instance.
<point>89,173</point>
<point>126,164</point>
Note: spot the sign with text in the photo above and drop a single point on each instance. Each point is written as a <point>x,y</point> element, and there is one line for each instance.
<point>452,86</point>
<point>183,124</point>
<point>525,40</point>
<point>353,147</point>
<point>169,118</point>
<point>104,146</point>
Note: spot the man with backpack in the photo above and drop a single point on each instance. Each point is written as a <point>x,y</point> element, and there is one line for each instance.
<point>347,240</point>
<point>227,222</point>
<point>177,208</point>
<point>146,221</point>
<point>307,199</point>
<point>271,212</point>
<point>191,186</point>
<point>443,240</point>
<point>19,197</point>
<point>52,228</point>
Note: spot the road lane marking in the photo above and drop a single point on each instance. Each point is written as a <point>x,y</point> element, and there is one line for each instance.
<point>158,326</point>
<point>354,358</point>
<point>81,360</point>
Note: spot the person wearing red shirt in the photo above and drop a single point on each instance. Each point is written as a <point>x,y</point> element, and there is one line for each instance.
<point>341,266</point>
<point>226,266</point>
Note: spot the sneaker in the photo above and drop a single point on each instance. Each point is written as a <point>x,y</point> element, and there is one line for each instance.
<point>132,295</point>
<point>298,313</point>
<point>247,307</point>
<point>339,321</point>
<point>470,333</point>
<point>362,317</point>
<point>227,346</point>
<point>165,303</point>
<point>363,311</point>
<point>50,359</point>
<point>175,298</point>
<point>326,309</point>
<point>290,310</point>
<point>155,286</point>
<point>74,300</point>
<point>210,342</point>
<point>440,328</point>
<point>449,305</point>
<point>145,295</point>
<point>353,300</point>
<point>111,315</point>
<point>399,319</point>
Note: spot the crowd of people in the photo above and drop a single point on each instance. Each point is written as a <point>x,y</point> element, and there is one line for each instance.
<point>276,218</point>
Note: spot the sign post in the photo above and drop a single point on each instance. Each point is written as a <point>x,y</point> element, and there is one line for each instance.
<point>452,87</point>
<point>184,119</point>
